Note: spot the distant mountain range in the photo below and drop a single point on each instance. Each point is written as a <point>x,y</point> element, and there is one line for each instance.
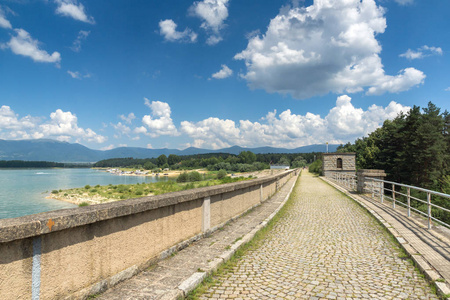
<point>51,150</point>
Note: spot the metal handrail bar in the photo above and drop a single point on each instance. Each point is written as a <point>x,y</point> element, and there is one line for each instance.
<point>429,193</point>
<point>387,197</point>
<point>437,220</point>
<point>401,194</point>
<point>445,209</point>
<point>403,204</point>
<point>419,211</point>
<point>417,199</point>
<point>412,187</point>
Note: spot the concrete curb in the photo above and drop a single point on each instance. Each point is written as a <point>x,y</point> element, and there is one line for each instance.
<point>196,279</point>
<point>443,288</point>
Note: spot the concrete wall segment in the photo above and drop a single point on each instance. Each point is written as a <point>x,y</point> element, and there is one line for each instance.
<point>89,245</point>
<point>33,225</point>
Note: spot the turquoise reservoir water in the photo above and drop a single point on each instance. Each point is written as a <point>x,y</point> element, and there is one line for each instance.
<point>23,191</point>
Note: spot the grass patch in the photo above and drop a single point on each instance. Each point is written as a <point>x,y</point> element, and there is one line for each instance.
<point>108,193</point>
<point>237,240</point>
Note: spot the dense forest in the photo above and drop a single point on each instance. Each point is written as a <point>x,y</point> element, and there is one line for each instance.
<point>29,164</point>
<point>246,161</point>
<point>413,148</point>
<point>40,164</point>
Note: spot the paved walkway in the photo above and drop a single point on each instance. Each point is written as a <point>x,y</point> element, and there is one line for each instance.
<point>165,279</point>
<point>430,249</point>
<point>325,246</point>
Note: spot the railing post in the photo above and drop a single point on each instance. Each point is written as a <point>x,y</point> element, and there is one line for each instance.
<point>409,202</point>
<point>429,209</point>
<point>373,189</point>
<point>393,196</point>
<point>381,191</point>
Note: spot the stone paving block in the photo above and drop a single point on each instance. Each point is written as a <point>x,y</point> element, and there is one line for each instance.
<point>325,247</point>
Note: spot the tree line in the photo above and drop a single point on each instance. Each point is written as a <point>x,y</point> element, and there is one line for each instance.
<point>246,161</point>
<point>29,164</point>
<point>413,148</point>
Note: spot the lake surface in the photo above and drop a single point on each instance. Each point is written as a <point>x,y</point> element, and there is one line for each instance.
<point>23,191</point>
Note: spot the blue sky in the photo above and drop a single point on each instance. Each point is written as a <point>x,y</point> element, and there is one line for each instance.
<point>217,73</point>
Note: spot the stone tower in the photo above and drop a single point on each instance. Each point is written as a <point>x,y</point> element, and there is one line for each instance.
<point>339,162</point>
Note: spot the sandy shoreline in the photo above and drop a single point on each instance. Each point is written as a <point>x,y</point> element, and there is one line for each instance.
<point>77,198</point>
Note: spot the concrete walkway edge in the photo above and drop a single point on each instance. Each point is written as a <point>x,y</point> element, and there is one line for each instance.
<point>443,288</point>
<point>197,278</point>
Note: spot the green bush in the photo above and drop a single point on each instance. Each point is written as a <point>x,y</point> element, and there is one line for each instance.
<point>139,193</point>
<point>94,191</point>
<point>316,167</point>
<point>194,176</point>
<point>221,174</point>
<point>183,177</point>
<point>83,204</point>
<point>87,187</point>
<point>55,192</point>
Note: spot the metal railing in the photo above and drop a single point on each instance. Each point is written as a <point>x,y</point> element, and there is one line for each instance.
<point>400,194</point>
<point>349,181</point>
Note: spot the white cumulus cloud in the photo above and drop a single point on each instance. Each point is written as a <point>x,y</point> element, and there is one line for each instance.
<point>329,46</point>
<point>24,44</point>
<point>219,133</point>
<point>343,123</point>
<point>394,84</point>
<point>213,13</point>
<point>73,9</point>
<point>62,126</point>
<point>122,129</point>
<point>168,29</point>
<point>4,23</point>
<point>223,73</point>
<point>159,121</point>
<point>13,126</point>
<point>422,52</point>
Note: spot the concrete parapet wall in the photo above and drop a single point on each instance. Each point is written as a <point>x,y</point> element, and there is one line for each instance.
<point>364,174</point>
<point>74,252</point>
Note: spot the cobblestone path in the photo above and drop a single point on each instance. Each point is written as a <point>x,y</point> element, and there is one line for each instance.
<point>325,246</point>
